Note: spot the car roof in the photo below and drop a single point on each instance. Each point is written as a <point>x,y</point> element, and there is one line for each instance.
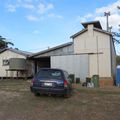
<point>51,69</point>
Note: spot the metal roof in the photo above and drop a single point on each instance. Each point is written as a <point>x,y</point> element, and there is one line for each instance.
<point>97,27</point>
<point>103,31</point>
<point>24,53</point>
<point>51,49</point>
<point>78,33</point>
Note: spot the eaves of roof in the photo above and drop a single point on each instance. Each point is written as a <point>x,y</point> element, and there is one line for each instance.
<point>24,53</point>
<point>51,49</point>
<point>95,23</point>
<point>102,31</point>
<point>96,29</point>
<point>78,33</point>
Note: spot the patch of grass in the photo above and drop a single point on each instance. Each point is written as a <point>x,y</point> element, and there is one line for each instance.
<point>96,91</point>
<point>14,85</point>
<point>18,103</point>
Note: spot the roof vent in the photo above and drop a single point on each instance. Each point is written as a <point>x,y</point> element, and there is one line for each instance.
<point>96,24</point>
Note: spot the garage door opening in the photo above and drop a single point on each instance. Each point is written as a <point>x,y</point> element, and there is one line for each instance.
<point>43,62</point>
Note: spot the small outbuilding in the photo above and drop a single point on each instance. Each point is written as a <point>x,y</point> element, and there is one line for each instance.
<point>14,63</point>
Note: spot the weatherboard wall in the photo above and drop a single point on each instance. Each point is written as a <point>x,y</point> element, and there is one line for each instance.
<point>97,45</point>
<point>6,55</point>
<point>74,64</point>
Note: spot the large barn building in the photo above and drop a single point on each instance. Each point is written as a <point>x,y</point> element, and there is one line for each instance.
<point>91,52</point>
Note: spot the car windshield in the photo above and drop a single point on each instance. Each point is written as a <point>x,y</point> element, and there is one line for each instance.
<point>49,74</point>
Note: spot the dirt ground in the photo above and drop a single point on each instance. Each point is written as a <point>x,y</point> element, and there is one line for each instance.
<point>18,103</point>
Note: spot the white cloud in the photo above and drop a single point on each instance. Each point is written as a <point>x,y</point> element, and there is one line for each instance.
<point>50,6</point>
<point>32,18</point>
<point>11,8</point>
<point>52,15</point>
<point>114,18</point>
<point>114,21</point>
<point>36,32</point>
<point>37,10</point>
<point>102,21</point>
<point>19,1</point>
<point>88,15</point>
<point>84,18</point>
<point>43,8</point>
<point>29,6</point>
<point>111,7</point>
<point>81,19</point>
<point>28,0</point>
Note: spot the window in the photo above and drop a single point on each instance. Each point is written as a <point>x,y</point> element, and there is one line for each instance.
<point>5,62</point>
<point>49,74</point>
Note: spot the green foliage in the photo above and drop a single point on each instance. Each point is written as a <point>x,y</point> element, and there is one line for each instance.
<point>4,43</point>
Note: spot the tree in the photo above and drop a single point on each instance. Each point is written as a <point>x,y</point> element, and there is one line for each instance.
<point>116,37</point>
<point>4,43</point>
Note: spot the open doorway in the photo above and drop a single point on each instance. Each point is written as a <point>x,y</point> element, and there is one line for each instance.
<point>43,62</point>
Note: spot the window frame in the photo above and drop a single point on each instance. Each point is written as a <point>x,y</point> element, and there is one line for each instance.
<point>5,62</point>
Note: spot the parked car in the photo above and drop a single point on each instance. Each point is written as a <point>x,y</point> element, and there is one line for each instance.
<point>51,81</point>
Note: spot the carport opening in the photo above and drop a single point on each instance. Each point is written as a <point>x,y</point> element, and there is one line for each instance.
<point>43,62</point>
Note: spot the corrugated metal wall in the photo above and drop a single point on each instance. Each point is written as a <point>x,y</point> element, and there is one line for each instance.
<point>74,64</point>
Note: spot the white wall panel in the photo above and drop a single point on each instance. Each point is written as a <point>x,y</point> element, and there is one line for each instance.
<point>74,64</point>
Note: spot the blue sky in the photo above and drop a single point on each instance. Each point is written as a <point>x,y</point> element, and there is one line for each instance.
<point>35,25</point>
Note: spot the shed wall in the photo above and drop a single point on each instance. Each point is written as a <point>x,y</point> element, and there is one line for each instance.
<point>74,64</point>
<point>98,44</point>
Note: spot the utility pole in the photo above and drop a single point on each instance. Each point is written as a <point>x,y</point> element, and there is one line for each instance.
<point>118,7</point>
<point>107,14</point>
<point>110,29</point>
